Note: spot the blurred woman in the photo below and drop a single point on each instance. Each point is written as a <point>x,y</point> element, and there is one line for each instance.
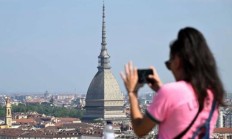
<point>176,104</point>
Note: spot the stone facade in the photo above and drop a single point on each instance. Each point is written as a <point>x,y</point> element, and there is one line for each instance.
<point>104,99</point>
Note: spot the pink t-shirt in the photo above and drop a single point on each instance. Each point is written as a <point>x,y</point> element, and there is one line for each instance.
<point>174,107</point>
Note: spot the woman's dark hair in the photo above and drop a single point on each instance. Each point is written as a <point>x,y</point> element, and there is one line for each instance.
<point>198,63</point>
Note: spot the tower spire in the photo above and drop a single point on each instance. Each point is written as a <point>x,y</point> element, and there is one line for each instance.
<point>104,57</point>
<point>8,116</point>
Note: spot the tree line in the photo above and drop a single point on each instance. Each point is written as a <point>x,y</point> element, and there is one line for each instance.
<point>44,108</point>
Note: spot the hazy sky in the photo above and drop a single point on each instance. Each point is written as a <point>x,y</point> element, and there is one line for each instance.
<point>53,45</point>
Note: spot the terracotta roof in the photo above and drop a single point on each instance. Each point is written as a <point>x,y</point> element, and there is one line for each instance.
<point>78,129</point>
<point>25,121</point>
<point>36,133</point>
<point>77,125</point>
<point>35,100</point>
<point>223,130</point>
<point>68,120</point>
<point>11,132</point>
<point>58,124</point>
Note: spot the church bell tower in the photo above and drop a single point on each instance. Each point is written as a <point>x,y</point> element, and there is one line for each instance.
<point>8,116</point>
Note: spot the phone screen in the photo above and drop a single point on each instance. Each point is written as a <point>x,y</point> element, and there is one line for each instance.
<point>143,75</point>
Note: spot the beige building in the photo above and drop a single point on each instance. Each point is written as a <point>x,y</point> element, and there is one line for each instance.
<point>104,99</point>
<point>8,115</point>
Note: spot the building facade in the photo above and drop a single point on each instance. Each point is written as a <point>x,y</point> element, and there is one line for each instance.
<point>8,115</point>
<point>104,99</point>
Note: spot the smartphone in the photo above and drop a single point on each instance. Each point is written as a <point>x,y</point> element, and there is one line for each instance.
<point>143,76</point>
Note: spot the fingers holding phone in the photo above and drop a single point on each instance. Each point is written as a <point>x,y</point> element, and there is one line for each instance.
<point>143,76</point>
<point>130,78</point>
<point>134,79</point>
<point>155,83</point>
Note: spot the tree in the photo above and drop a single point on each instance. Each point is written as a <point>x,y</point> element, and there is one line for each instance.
<point>46,109</point>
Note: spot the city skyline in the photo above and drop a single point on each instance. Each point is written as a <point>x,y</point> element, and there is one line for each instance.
<point>54,45</point>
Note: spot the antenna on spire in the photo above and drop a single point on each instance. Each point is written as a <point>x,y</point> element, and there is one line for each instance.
<point>104,56</point>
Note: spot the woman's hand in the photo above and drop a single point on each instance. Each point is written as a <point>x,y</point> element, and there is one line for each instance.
<point>142,124</point>
<point>156,84</point>
<point>130,78</point>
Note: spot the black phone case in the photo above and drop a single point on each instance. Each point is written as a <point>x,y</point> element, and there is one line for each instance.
<point>143,75</point>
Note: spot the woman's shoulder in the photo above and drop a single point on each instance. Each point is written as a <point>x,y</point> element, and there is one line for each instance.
<point>176,89</point>
<point>179,85</point>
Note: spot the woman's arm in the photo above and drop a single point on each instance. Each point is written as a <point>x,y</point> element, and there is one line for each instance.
<point>142,124</point>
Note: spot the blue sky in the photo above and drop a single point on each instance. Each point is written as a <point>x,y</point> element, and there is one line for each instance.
<point>53,45</point>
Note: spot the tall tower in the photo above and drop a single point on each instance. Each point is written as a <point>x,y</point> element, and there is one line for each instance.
<point>104,99</point>
<point>8,117</point>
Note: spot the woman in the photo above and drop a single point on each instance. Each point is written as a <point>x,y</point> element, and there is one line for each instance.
<point>176,104</point>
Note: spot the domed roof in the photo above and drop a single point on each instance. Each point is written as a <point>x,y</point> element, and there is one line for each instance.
<point>103,88</point>
<point>104,98</point>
